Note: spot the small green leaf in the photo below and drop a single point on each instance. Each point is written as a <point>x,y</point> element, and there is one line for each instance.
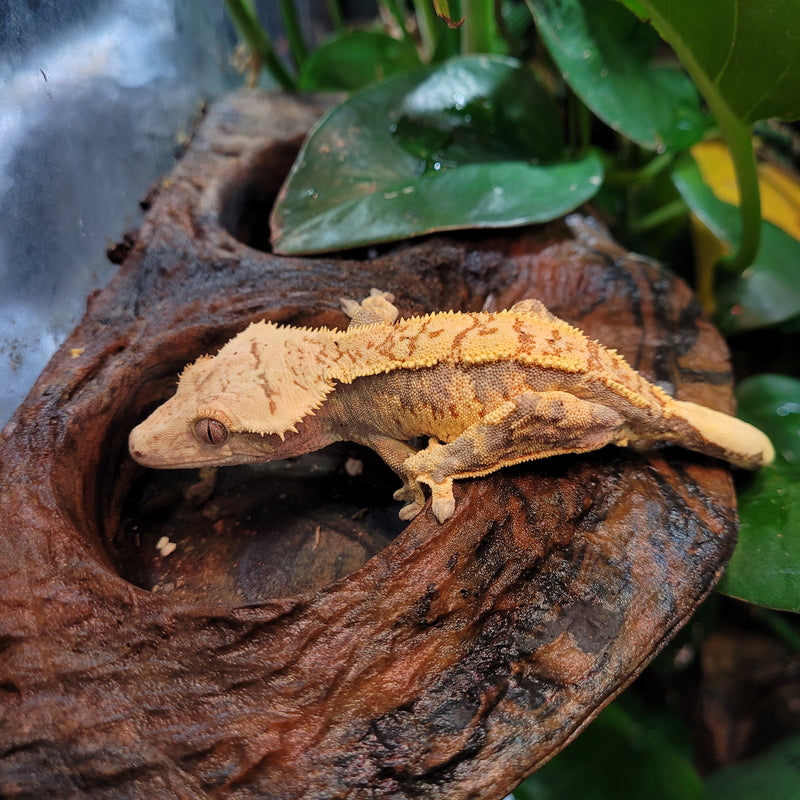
<point>356,59</point>
<point>472,143</point>
<point>768,291</point>
<point>604,54</point>
<point>617,756</point>
<point>765,567</point>
<point>774,775</point>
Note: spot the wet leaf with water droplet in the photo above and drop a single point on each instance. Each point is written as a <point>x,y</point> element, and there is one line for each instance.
<point>427,151</point>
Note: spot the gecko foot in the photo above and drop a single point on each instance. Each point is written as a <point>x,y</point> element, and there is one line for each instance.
<point>443,502</point>
<point>409,511</point>
<point>412,492</point>
<point>377,308</point>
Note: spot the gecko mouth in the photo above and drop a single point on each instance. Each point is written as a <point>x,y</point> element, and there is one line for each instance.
<point>153,461</point>
<point>171,459</point>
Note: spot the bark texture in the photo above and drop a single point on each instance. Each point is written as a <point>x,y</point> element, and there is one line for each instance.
<point>299,642</point>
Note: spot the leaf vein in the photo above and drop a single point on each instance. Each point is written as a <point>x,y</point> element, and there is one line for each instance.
<point>723,69</point>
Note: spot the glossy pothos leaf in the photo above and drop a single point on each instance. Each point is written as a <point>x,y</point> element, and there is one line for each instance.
<point>473,143</point>
<point>356,59</point>
<point>743,56</point>
<point>606,55</point>
<point>765,567</point>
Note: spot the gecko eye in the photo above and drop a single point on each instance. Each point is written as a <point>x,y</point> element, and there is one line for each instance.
<point>211,431</point>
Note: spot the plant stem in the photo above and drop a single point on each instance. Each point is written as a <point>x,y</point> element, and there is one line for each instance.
<point>293,33</point>
<point>335,13</point>
<point>399,18</point>
<point>478,27</point>
<point>579,123</point>
<point>740,144</point>
<point>635,177</point>
<point>674,210</point>
<point>257,39</point>
<point>704,274</point>
<point>584,120</point>
<point>427,24</point>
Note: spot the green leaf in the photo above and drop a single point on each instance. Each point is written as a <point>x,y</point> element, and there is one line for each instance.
<point>774,775</point>
<point>472,143</point>
<point>745,60</point>
<point>618,756</point>
<point>604,54</point>
<point>765,567</point>
<point>768,291</point>
<point>772,403</point>
<point>356,59</point>
<point>745,54</point>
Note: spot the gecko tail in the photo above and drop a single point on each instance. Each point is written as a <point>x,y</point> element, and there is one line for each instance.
<point>723,436</point>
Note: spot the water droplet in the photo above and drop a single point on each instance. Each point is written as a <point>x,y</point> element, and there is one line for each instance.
<point>393,128</point>
<point>604,73</point>
<point>437,166</point>
<point>460,101</point>
<point>573,187</point>
<point>587,53</point>
<point>312,193</point>
<point>595,180</point>
<point>788,408</point>
<point>467,119</point>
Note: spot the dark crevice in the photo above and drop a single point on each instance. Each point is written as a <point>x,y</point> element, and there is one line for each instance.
<point>246,202</point>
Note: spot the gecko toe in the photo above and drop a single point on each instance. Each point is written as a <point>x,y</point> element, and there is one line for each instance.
<point>409,511</point>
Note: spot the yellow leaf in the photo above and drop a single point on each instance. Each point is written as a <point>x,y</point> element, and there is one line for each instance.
<point>780,204</point>
<point>780,191</point>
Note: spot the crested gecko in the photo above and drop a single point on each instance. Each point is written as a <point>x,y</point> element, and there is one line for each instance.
<point>487,389</point>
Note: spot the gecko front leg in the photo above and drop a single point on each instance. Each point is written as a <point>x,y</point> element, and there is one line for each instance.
<point>532,425</point>
<point>397,454</point>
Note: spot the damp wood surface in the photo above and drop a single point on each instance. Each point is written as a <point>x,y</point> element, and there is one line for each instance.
<point>298,641</point>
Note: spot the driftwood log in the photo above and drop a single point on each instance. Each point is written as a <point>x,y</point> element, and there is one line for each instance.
<point>299,642</point>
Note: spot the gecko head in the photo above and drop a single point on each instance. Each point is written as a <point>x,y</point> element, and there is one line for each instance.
<point>241,406</point>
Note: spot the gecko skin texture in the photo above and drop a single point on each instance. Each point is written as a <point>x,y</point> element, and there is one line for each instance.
<point>487,389</point>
